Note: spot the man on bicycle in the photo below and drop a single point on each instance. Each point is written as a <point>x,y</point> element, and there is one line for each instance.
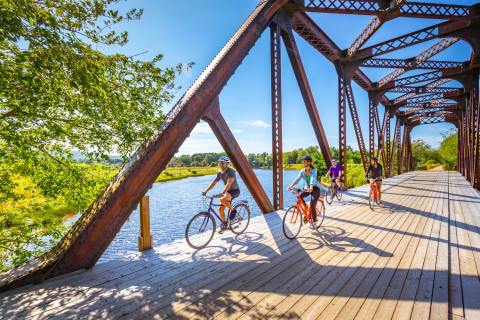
<point>375,170</point>
<point>231,190</point>
<point>336,172</point>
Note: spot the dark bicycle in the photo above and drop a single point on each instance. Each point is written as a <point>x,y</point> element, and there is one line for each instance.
<point>202,226</point>
<point>334,191</point>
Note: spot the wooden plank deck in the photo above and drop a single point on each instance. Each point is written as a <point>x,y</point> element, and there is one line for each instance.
<point>417,256</point>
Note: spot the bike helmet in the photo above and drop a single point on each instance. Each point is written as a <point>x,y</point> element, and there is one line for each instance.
<point>334,160</point>
<point>224,159</point>
<point>308,158</point>
<point>374,159</point>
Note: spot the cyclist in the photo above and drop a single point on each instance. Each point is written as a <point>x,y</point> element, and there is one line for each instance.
<point>375,170</point>
<point>336,172</point>
<point>230,191</point>
<point>312,186</point>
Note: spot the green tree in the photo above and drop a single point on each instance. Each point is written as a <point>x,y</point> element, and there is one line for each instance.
<point>58,93</point>
<point>448,150</point>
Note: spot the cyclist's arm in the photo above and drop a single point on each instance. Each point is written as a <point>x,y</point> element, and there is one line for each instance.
<point>229,183</point>
<point>296,180</point>
<point>381,172</point>
<point>214,182</point>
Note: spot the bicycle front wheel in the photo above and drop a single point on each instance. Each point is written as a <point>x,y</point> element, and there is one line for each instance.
<point>320,213</point>
<point>371,199</point>
<point>339,194</point>
<point>329,196</point>
<point>241,220</point>
<point>200,230</point>
<point>292,222</point>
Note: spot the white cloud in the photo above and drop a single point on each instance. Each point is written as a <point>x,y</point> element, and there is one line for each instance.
<point>202,127</point>
<point>255,123</point>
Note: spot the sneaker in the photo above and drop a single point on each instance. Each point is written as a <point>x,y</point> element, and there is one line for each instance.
<point>379,201</point>
<point>312,225</point>
<point>233,214</point>
<point>222,228</point>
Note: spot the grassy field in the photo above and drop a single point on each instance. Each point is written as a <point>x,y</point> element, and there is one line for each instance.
<point>176,173</point>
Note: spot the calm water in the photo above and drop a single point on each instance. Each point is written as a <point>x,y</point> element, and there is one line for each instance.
<point>173,203</point>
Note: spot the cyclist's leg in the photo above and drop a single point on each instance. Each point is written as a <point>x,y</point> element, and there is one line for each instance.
<point>313,202</point>
<point>379,189</point>
<point>225,200</point>
<point>337,181</point>
<point>302,195</point>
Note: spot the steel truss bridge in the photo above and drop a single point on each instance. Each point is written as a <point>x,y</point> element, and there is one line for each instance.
<point>425,100</point>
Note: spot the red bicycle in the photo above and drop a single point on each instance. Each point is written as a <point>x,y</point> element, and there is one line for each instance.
<point>373,196</point>
<point>292,221</point>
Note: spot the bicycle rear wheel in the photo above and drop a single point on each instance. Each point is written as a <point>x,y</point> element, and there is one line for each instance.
<point>200,230</point>
<point>371,200</point>
<point>329,195</point>
<point>292,222</point>
<point>320,213</point>
<point>241,220</point>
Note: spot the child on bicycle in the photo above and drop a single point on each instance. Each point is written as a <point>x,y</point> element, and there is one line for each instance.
<point>375,170</point>
<point>312,186</point>
<point>336,172</point>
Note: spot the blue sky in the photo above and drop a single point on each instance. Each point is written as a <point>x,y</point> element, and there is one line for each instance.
<point>194,31</point>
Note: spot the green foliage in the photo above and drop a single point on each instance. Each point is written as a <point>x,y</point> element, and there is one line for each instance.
<point>58,93</point>
<point>448,150</point>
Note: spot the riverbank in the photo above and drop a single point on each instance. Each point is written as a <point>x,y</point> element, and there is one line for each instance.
<point>176,173</point>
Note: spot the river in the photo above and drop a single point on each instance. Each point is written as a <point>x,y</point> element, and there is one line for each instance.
<point>173,203</point>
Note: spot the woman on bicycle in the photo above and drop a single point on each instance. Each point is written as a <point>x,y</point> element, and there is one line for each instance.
<point>375,170</point>
<point>312,186</point>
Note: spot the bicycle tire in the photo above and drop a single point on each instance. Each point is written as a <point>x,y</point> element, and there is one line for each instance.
<point>237,224</point>
<point>292,220</point>
<point>371,200</point>
<point>320,213</point>
<point>207,234</point>
<point>329,196</point>
<point>339,193</point>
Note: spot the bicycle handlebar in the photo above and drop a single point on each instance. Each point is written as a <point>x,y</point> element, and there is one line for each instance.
<point>211,197</point>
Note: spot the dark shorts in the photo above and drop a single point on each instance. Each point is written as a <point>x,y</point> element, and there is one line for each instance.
<point>234,193</point>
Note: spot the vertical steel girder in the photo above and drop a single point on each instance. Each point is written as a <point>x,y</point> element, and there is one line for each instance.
<point>276,83</point>
<point>388,148</point>
<point>221,130</point>
<point>97,227</point>
<point>475,105</point>
<point>398,142</point>
<point>356,124</point>
<point>301,76</point>
<point>342,127</point>
<point>371,126</point>
<point>401,162</point>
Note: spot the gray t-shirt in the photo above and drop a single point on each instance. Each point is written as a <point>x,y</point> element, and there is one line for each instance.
<point>229,173</point>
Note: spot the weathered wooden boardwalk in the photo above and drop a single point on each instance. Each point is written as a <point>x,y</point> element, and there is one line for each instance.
<point>416,256</point>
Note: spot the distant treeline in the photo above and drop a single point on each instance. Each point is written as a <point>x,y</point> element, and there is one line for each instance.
<point>265,160</point>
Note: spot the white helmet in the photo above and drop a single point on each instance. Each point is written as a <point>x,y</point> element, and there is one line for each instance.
<point>224,159</point>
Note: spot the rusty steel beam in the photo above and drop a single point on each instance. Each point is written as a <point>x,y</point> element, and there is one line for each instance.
<point>224,135</point>
<point>401,162</point>
<point>356,125</point>
<point>424,89</point>
<point>306,28</point>
<point>301,76</point>
<point>427,54</point>
<point>97,227</point>
<point>429,76</point>
<point>401,42</point>
<point>371,127</point>
<point>342,127</point>
<point>386,160</point>
<point>396,146</point>
<point>276,87</point>
<point>411,64</point>
<point>375,7</point>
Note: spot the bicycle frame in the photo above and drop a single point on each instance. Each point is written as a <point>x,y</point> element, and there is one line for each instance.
<point>373,186</point>
<point>306,210</point>
<point>211,210</point>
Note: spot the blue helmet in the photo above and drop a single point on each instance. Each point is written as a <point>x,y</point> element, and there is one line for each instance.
<point>224,159</point>
<point>334,160</point>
